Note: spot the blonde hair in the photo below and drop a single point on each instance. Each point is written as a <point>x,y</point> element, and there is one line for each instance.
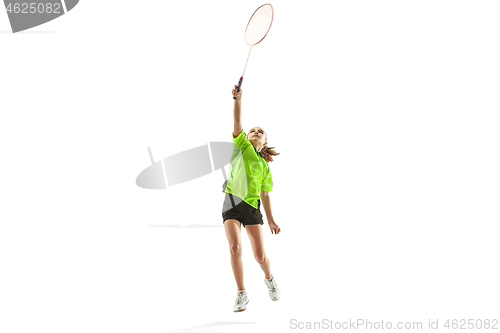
<point>267,152</point>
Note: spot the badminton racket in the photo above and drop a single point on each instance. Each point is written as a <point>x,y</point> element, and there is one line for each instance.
<point>257,28</point>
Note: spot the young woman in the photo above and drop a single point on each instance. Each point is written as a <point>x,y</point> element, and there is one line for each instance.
<point>249,181</point>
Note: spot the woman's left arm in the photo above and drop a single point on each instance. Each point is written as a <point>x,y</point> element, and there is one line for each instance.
<point>266,202</point>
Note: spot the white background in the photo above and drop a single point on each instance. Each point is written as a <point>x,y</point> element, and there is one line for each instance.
<point>386,189</point>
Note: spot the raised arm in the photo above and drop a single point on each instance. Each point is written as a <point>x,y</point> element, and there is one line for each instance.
<point>237,111</point>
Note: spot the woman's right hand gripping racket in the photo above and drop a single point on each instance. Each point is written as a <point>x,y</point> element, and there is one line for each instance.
<point>237,92</point>
<point>238,87</point>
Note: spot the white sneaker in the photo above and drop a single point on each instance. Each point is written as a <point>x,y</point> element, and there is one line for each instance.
<point>274,292</point>
<point>241,301</point>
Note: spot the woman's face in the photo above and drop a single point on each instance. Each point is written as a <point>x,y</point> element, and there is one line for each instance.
<point>257,134</point>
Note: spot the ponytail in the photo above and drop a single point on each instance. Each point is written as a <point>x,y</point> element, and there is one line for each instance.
<point>268,153</point>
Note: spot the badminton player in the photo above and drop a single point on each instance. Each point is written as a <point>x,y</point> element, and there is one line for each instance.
<point>249,181</point>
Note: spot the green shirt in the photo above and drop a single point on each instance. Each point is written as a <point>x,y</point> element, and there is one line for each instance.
<point>249,172</point>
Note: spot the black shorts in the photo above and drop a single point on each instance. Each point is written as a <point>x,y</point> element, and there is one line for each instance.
<point>241,211</point>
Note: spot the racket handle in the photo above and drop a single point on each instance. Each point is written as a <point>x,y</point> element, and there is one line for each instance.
<point>239,86</point>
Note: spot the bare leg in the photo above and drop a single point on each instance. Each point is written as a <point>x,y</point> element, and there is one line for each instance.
<point>257,240</point>
<point>233,234</point>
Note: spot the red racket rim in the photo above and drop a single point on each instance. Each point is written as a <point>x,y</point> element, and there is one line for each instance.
<point>272,18</point>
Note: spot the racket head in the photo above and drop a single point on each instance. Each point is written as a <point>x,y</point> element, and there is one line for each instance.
<point>259,24</point>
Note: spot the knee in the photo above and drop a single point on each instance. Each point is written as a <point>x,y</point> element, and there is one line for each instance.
<point>260,258</point>
<point>236,250</point>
